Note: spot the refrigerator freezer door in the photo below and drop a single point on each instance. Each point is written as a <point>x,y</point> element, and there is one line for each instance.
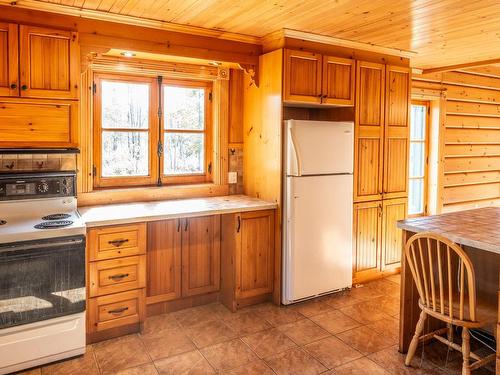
<point>318,236</point>
<point>319,147</point>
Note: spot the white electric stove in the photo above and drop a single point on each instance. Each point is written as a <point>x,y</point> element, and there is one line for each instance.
<point>42,270</point>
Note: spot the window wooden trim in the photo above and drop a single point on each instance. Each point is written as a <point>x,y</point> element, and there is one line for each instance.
<point>156,133</point>
<point>426,142</point>
<point>207,174</point>
<point>100,181</point>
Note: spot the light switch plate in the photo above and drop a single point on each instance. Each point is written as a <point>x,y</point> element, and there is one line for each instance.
<point>232,177</point>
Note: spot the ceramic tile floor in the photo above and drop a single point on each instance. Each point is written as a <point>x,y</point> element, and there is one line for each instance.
<point>349,333</point>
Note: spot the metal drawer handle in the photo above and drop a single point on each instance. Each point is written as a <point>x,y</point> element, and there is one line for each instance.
<point>118,311</point>
<point>118,276</point>
<point>119,242</point>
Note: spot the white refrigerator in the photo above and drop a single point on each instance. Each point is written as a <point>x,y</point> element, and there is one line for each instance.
<point>318,208</point>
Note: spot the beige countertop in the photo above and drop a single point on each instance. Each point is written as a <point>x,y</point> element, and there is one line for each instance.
<point>479,228</point>
<point>111,214</point>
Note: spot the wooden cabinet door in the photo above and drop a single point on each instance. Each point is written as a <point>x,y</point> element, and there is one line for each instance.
<point>254,255</point>
<point>200,255</point>
<point>164,261</point>
<point>9,59</point>
<point>367,240</point>
<point>38,123</point>
<point>48,63</point>
<point>302,77</point>
<point>369,131</point>
<point>338,81</point>
<point>392,237</point>
<point>396,132</point>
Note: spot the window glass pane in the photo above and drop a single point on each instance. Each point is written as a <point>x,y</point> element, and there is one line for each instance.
<point>184,108</point>
<point>125,105</point>
<point>417,154</point>
<point>416,197</point>
<point>184,153</point>
<point>125,154</point>
<point>417,123</point>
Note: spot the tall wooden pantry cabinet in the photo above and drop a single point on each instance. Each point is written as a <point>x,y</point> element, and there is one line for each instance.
<point>381,167</point>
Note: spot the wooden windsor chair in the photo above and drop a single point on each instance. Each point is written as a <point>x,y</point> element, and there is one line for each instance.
<point>446,295</point>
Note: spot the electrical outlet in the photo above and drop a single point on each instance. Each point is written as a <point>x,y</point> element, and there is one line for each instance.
<point>232,177</point>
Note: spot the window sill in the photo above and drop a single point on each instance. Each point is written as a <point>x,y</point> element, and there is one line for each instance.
<point>151,193</point>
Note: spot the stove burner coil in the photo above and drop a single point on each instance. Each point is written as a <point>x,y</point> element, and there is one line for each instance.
<point>53,224</point>
<point>3,222</point>
<point>56,217</point>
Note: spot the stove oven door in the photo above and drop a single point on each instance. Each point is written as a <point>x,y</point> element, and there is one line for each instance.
<point>41,280</point>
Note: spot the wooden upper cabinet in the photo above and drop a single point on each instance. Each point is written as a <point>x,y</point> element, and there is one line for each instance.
<point>200,255</point>
<point>38,122</point>
<point>48,63</point>
<point>9,59</point>
<point>396,142</point>
<point>318,79</point>
<point>369,131</point>
<point>254,253</point>
<point>338,81</point>
<point>164,261</point>
<point>302,77</point>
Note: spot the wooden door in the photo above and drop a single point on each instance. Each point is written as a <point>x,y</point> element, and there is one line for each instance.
<point>392,237</point>
<point>9,59</point>
<point>302,77</point>
<point>200,255</point>
<point>367,240</point>
<point>48,63</point>
<point>369,132</point>
<point>338,81</point>
<point>396,142</point>
<point>164,261</point>
<point>254,253</point>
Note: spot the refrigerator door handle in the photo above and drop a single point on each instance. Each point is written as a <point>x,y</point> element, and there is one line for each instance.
<point>294,156</point>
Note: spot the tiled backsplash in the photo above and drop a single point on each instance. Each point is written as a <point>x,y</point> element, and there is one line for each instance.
<point>37,162</point>
<point>236,165</point>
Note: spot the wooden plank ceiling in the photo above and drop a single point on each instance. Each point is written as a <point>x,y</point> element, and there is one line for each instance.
<point>442,32</point>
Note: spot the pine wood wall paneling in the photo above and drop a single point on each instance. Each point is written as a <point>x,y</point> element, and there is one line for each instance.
<point>471,140</point>
<point>262,143</point>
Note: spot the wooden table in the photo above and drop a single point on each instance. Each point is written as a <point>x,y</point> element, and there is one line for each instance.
<point>478,232</point>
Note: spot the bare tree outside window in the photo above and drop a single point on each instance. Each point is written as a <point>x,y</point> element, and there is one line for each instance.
<point>125,124</point>
<point>184,121</point>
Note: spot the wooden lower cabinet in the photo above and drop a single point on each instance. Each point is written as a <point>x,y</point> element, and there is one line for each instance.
<point>376,240</point>
<point>392,237</point>
<point>164,261</point>
<point>200,255</point>
<point>247,253</point>
<point>183,258</point>
<point>116,310</point>
<point>116,280</point>
<point>117,275</point>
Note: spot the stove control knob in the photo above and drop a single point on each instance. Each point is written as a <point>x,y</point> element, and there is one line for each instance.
<point>65,190</point>
<point>43,187</point>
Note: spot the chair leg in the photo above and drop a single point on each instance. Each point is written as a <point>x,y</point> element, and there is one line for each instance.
<point>414,341</point>
<point>465,351</point>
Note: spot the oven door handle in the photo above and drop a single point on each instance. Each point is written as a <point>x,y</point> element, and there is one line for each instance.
<point>46,245</point>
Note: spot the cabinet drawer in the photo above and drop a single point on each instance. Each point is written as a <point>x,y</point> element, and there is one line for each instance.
<point>117,275</point>
<point>116,310</point>
<point>117,241</point>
